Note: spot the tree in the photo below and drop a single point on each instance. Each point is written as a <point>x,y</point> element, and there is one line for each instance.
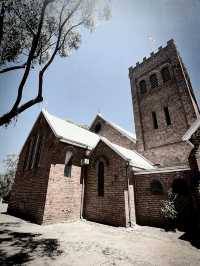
<point>33,32</point>
<point>7,179</point>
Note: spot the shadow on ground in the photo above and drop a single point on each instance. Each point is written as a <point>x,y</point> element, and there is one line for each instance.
<point>17,248</point>
<point>193,238</point>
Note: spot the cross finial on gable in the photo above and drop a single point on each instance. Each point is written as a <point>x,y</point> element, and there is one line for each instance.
<point>99,111</point>
<point>45,105</point>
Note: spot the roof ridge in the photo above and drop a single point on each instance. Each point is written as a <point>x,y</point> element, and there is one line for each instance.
<point>76,134</point>
<point>116,147</point>
<point>135,151</point>
<point>125,132</point>
<point>70,122</point>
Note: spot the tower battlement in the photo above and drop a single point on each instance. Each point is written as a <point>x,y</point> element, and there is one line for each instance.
<point>164,105</point>
<point>155,57</point>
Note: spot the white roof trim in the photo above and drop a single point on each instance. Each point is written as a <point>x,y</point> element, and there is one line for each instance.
<point>136,160</point>
<point>193,128</point>
<point>71,133</point>
<point>107,142</point>
<point>164,170</point>
<point>123,131</point>
<point>75,143</point>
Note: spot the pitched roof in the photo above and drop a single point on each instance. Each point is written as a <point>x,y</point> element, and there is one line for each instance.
<point>124,132</point>
<point>71,133</point>
<point>135,159</point>
<point>195,125</point>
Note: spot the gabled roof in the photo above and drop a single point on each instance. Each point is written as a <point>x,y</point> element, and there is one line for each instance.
<point>124,132</point>
<point>71,133</point>
<point>193,128</point>
<point>135,159</point>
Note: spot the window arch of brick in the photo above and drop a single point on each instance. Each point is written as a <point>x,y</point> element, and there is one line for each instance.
<point>167,116</point>
<point>27,155</point>
<point>155,121</point>
<point>68,169</point>
<point>154,81</point>
<point>165,74</point>
<point>156,187</point>
<point>97,128</point>
<point>38,152</point>
<point>143,86</point>
<point>100,178</point>
<point>68,164</point>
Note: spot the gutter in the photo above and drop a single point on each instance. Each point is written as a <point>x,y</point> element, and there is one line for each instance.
<point>75,143</point>
<point>129,201</point>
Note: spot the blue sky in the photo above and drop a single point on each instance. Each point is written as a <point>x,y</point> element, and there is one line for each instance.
<point>95,78</point>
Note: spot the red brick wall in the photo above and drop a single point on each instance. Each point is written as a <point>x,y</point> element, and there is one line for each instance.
<point>169,155</point>
<point>148,205</point>
<point>63,201</point>
<point>43,194</point>
<point>112,208</point>
<point>29,190</point>
<point>162,145</point>
<point>113,135</point>
<point>194,162</point>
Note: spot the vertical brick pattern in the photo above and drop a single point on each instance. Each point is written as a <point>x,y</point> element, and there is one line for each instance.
<point>148,205</point>
<point>109,209</point>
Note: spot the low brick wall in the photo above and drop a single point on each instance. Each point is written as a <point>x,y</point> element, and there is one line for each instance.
<point>148,204</point>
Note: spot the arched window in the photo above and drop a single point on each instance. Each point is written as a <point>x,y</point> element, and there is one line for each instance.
<point>27,154</point>
<point>156,187</point>
<point>100,175</point>
<point>153,81</point>
<point>167,116</point>
<point>38,151</point>
<point>68,169</point>
<point>97,128</point>
<point>155,121</point>
<point>68,164</point>
<point>165,74</point>
<point>32,152</point>
<point>143,87</point>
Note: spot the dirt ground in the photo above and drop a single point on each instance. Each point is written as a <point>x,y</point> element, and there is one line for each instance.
<point>85,243</point>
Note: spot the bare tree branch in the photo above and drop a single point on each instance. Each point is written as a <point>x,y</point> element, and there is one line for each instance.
<point>14,111</point>
<point>56,36</point>
<point>68,31</point>
<point>31,55</point>
<point>12,68</point>
<point>2,13</point>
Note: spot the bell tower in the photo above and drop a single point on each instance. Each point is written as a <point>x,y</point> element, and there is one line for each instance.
<point>164,106</point>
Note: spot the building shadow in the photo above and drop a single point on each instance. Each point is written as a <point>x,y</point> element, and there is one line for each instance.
<point>25,246</point>
<point>188,210</point>
<point>193,238</point>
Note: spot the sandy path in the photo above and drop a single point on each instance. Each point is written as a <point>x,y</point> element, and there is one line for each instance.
<point>86,243</point>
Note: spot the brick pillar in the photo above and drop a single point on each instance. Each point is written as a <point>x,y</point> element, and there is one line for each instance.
<point>194,162</point>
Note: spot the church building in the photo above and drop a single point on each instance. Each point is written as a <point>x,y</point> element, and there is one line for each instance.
<point>106,174</point>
